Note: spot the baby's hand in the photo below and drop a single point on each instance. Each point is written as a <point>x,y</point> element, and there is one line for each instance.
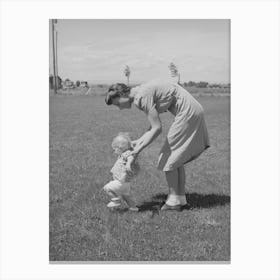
<point>129,164</point>
<point>135,149</point>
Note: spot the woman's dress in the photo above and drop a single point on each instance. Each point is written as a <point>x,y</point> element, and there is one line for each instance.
<point>187,137</point>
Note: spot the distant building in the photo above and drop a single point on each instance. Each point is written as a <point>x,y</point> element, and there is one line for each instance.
<point>68,84</point>
<point>84,84</point>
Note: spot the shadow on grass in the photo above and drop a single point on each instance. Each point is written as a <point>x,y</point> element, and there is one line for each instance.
<point>194,200</point>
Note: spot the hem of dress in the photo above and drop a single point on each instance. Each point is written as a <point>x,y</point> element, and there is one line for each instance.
<point>189,160</point>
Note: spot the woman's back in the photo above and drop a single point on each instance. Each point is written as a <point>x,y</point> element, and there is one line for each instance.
<point>165,95</point>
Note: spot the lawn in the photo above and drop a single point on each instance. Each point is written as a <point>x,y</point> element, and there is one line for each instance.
<point>81,228</point>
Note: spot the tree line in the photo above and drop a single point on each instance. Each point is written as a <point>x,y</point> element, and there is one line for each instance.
<point>203,84</point>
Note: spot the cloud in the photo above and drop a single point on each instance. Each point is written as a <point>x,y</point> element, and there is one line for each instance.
<point>107,58</point>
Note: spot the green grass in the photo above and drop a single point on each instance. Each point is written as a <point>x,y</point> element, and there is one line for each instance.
<point>83,229</point>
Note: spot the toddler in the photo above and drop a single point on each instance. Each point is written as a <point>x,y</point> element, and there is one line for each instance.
<point>123,171</point>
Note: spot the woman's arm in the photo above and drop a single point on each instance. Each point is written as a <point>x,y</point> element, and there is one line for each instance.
<point>150,135</point>
<point>139,140</point>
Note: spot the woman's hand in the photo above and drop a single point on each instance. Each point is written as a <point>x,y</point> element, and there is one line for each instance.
<point>134,143</point>
<point>135,151</point>
<point>149,136</point>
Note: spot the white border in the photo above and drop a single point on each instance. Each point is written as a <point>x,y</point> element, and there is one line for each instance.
<point>254,128</point>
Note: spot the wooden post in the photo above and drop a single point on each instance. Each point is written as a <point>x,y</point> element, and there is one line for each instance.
<point>54,63</point>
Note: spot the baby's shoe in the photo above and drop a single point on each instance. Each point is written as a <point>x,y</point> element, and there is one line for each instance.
<point>134,208</point>
<point>114,203</point>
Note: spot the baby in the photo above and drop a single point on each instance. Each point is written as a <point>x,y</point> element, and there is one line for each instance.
<point>123,171</point>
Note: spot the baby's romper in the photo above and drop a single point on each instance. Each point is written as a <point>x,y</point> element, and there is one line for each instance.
<point>119,186</point>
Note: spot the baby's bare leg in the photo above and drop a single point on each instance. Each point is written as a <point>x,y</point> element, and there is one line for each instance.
<point>129,201</point>
<point>112,194</point>
<point>112,189</point>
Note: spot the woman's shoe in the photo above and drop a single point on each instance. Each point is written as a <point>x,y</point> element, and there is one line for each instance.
<point>166,207</point>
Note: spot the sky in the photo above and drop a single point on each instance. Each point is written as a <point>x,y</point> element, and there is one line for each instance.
<point>98,50</point>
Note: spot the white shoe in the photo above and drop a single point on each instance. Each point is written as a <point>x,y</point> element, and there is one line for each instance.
<point>114,204</point>
<point>167,207</point>
<point>134,209</point>
<point>174,200</point>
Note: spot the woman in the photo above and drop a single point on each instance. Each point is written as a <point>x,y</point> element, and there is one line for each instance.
<point>187,137</point>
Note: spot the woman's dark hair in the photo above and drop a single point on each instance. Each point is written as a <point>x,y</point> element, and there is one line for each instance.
<point>116,90</point>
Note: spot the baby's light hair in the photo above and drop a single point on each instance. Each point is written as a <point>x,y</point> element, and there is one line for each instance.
<point>122,140</point>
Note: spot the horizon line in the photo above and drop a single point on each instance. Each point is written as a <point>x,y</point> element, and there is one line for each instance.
<point>139,82</point>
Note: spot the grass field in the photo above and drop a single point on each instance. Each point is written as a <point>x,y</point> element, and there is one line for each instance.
<point>99,89</point>
<point>83,229</point>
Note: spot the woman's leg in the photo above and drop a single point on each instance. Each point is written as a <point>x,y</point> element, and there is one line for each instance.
<point>173,199</point>
<point>176,180</point>
<point>182,180</point>
<point>176,183</point>
<point>182,183</point>
<point>172,178</point>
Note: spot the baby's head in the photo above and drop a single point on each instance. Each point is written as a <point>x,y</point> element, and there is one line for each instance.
<point>121,143</point>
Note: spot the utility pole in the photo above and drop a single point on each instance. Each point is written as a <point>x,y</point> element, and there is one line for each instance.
<point>54,63</point>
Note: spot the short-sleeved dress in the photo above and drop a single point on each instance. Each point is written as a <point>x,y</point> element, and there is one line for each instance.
<point>187,137</point>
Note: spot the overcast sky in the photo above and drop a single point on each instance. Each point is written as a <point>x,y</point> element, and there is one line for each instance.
<point>98,50</point>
